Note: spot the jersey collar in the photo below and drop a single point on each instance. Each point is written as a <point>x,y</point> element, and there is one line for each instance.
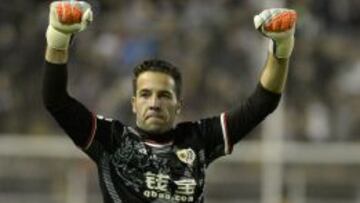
<point>158,138</point>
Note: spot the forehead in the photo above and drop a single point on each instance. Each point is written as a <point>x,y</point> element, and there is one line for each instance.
<point>157,81</point>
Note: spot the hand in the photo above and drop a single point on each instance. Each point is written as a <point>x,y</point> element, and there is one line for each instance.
<point>278,24</point>
<point>65,19</point>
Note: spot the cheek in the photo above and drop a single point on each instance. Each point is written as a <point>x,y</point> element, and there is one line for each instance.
<point>137,107</point>
<point>172,110</point>
<point>141,107</point>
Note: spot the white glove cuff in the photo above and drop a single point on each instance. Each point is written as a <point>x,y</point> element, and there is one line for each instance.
<point>56,39</point>
<point>282,48</point>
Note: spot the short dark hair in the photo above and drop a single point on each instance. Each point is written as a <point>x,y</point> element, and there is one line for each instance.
<point>162,66</point>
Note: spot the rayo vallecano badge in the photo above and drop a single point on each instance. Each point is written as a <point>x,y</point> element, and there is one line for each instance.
<point>186,155</point>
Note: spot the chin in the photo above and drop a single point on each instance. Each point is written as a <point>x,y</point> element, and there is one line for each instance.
<point>156,129</point>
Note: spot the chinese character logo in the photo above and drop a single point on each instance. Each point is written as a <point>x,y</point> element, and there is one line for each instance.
<point>185,186</point>
<point>157,188</point>
<point>157,181</point>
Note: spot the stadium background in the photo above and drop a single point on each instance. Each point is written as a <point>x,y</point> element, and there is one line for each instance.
<point>308,151</point>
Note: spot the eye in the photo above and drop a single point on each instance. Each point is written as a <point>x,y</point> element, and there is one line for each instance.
<point>144,94</point>
<point>166,95</point>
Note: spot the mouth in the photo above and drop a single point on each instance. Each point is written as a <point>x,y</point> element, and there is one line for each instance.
<point>155,116</point>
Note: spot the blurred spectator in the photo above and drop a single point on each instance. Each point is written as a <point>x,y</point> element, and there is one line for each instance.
<point>213,43</point>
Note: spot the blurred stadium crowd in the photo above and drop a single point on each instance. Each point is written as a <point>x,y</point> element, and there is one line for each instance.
<point>214,44</point>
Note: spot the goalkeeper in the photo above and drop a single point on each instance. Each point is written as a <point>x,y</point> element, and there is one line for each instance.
<point>157,160</point>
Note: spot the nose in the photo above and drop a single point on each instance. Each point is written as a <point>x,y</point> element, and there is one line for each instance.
<point>155,103</point>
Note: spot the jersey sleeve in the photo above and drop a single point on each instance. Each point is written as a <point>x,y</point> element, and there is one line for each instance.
<point>239,121</point>
<point>93,134</point>
<point>220,133</point>
<point>104,136</point>
<point>214,138</point>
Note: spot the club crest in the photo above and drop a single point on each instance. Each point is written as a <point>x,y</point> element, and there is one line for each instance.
<point>186,155</point>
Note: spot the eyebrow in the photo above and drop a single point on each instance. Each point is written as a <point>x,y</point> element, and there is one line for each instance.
<point>160,91</point>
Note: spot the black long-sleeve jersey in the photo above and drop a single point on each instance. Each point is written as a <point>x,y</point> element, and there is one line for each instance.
<point>137,167</point>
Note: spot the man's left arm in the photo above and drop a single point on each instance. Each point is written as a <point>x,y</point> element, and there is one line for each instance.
<point>274,75</point>
<point>279,26</point>
<point>219,134</point>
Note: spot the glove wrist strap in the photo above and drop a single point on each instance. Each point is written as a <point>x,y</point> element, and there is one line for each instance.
<point>56,39</point>
<point>282,48</point>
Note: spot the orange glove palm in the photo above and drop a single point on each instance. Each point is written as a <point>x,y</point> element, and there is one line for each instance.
<point>66,18</point>
<point>279,25</point>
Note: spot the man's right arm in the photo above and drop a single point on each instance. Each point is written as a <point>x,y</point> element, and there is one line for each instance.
<point>76,120</point>
<point>56,56</point>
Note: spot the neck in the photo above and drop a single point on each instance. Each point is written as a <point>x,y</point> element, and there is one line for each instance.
<point>160,138</point>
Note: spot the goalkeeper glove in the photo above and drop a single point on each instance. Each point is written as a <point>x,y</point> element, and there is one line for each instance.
<point>65,19</point>
<point>278,24</point>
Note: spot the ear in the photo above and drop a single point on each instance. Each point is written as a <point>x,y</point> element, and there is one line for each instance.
<point>133,104</point>
<point>179,107</point>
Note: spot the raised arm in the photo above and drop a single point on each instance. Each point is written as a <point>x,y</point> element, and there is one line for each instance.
<point>274,75</point>
<point>278,25</point>
<point>65,19</point>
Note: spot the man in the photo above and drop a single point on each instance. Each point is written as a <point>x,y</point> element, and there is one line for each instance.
<point>156,160</point>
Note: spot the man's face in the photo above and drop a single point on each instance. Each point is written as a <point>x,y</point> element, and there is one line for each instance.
<point>155,102</point>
